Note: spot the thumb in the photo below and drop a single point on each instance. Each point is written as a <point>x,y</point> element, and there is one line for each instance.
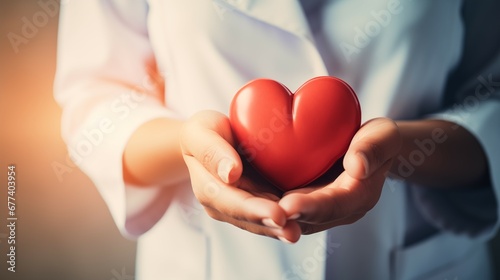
<point>207,137</point>
<point>375,143</point>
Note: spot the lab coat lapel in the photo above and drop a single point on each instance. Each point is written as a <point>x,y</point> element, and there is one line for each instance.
<point>284,14</point>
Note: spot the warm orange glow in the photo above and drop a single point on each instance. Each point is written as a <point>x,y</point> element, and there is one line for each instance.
<point>64,230</point>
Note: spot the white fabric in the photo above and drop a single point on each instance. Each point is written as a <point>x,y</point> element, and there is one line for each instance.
<point>397,57</point>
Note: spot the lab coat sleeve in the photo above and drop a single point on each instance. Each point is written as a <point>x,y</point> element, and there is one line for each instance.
<point>473,212</point>
<point>104,86</point>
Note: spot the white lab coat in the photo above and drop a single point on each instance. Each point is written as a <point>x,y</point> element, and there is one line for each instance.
<point>396,55</point>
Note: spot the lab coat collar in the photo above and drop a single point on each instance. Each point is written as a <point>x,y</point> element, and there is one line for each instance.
<point>284,14</point>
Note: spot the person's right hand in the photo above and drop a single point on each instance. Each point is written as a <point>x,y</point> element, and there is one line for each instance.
<point>227,191</point>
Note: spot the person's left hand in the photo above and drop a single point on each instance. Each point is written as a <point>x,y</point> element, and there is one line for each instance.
<point>356,190</point>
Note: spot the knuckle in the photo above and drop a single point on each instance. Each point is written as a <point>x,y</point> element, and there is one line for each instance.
<point>375,154</point>
<point>209,155</point>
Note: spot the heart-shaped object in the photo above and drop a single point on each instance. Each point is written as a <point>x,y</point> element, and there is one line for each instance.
<point>292,139</point>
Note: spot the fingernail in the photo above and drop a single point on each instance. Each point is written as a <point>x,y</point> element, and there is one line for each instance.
<point>224,168</point>
<point>294,216</point>
<point>268,222</point>
<point>284,240</point>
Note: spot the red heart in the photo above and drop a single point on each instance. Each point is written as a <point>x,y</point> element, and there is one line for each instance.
<point>292,139</point>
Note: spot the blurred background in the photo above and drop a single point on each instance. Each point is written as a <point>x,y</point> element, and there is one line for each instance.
<point>64,230</point>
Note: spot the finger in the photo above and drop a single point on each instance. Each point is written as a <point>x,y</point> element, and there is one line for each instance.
<point>321,205</point>
<point>253,182</point>
<point>376,142</point>
<point>344,197</point>
<point>233,201</point>
<point>307,228</point>
<point>290,233</point>
<point>260,189</point>
<point>207,136</point>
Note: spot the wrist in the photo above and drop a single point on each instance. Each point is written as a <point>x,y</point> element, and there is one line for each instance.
<point>438,153</point>
<point>153,155</point>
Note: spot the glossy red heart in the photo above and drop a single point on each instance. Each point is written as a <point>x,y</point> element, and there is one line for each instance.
<point>292,139</point>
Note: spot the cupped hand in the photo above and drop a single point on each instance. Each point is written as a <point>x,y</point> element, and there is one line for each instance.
<point>227,191</point>
<point>358,187</point>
